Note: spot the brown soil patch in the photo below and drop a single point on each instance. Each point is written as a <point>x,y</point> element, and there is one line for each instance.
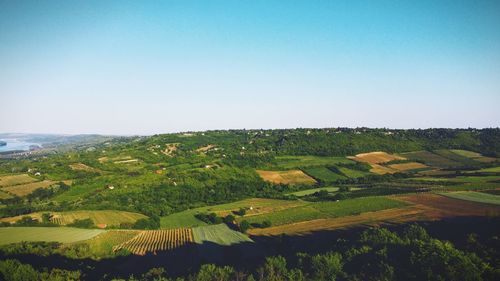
<point>286,177</point>
<point>376,157</point>
<point>438,206</point>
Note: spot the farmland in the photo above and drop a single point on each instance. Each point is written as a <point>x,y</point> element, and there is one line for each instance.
<point>27,188</point>
<point>164,195</point>
<point>50,234</point>
<point>219,234</point>
<point>376,157</point>
<point>323,174</point>
<point>294,162</point>
<point>99,217</point>
<point>475,197</point>
<point>153,241</point>
<point>319,210</point>
<point>286,177</point>
<point>8,180</point>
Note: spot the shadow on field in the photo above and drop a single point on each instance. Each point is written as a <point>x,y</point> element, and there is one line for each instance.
<point>247,256</point>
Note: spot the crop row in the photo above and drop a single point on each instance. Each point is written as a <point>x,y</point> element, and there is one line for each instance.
<point>152,241</point>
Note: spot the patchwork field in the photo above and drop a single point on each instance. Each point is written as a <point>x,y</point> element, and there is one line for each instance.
<point>319,210</point>
<point>103,244</point>
<point>381,170</point>
<point>49,234</point>
<point>153,241</point>
<point>475,197</point>
<point>295,162</point>
<point>9,180</point>
<point>438,206</point>
<point>219,234</point>
<point>474,155</point>
<point>105,218</point>
<point>253,206</point>
<point>490,170</point>
<point>431,159</point>
<point>394,215</point>
<point>313,190</point>
<point>352,173</point>
<point>408,166</point>
<point>286,177</point>
<point>376,157</point>
<point>25,189</point>
<point>323,174</point>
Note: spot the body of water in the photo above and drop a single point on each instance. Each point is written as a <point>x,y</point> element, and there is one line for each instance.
<point>16,144</point>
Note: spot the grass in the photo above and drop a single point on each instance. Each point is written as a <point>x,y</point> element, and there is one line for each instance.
<point>475,197</point>
<point>219,234</point>
<point>490,170</point>
<point>8,180</point>
<point>454,156</point>
<point>313,190</point>
<point>323,174</point>
<point>329,209</point>
<point>258,205</point>
<point>294,162</point>
<point>352,173</point>
<point>10,235</point>
<point>102,245</point>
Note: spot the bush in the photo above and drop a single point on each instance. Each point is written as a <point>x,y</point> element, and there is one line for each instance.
<point>244,226</point>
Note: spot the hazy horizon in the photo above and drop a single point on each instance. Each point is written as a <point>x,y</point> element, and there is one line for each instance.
<point>142,68</point>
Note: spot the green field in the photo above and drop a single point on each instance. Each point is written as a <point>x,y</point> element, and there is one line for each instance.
<point>187,219</point>
<point>455,156</point>
<point>220,234</point>
<point>323,174</point>
<point>489,170</point>
<point>313,190</point>
<point>431,159</point>
<point>49,234</point>
<point>475,197</point>
<point>326,210</point>
<point>294,162</point>
<point>352,173</point>
<point>102,244</point>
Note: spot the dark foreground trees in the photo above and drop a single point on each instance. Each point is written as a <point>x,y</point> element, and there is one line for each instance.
<point>376,254</point>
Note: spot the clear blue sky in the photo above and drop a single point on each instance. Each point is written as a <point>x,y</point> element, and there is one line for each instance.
<point>143,67</point>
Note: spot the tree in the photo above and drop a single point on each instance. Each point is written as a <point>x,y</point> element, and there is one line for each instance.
<point>244,226</point>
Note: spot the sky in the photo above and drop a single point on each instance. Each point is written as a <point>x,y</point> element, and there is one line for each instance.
<point>148,67</point>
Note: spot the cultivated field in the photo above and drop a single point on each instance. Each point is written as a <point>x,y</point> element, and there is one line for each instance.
<point>153,241</point>
<point>100,217</point>
<point>313,190</point>
<point>376,157</point>
<point>352,173</point>
<point>294,162</point>
<point>322,174</point>
<point>286,177</point>
<point>9,180</point>
<point>490,170</point>
<point>49,234</point>
<point>218,234</point>
<point>475,197</point>
<point>253,206</point>
<point>438,206</point>
<point>431,159</point>
<point>102,245</point>
<point>381,170</point>
<point>474,155</point>
<point>408,166</point>
<point>318,210</point>
<point>25,189</point>
<point>394,215</point>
